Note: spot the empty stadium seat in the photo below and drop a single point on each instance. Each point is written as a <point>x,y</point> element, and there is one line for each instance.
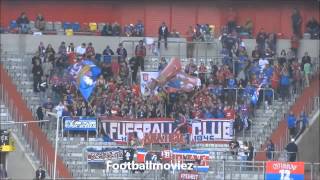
<point>32,24</point>
<point>49,26</point>
<point>67,25</point>
<point>57,25</point>
<point>98,57</point>
<point>76,27</point>
<point>93,26</point>
<point>13,24</point>
<point>85,27</point>
<point>100,26</point>
<point>69,32</point>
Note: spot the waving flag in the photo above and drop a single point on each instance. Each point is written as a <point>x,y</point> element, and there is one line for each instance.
<point>85,75</point>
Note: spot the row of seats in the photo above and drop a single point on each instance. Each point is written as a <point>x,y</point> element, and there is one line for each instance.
<point>56,26</point>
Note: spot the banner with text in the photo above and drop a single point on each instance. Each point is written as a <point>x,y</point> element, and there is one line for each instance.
<point>199,158</point>
<point>203,130</point>
<point>284,170</point>
<point>98,154</point>
<point>80,123</point>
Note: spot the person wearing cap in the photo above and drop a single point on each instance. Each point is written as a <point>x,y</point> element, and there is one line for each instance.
<point>292,150</point>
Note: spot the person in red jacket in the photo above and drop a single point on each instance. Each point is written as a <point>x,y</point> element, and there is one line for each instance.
<point>140,53</point>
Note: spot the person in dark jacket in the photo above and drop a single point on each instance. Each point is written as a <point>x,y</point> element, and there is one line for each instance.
<point>305,59</point>
<point>40,115</point>
<point>270,150</point>
<point>40,174</point>
<point>163,34</point>
<point>37,74</point>
<point>304,120</point>
<point>251,152</point>
<point>296,22</point>
<point>261,41</point>
<point>291,120</point>
<point>23,23</point>
<point>292,150</point>
<point>122,53</point>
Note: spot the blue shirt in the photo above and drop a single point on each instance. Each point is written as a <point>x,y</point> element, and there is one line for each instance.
<point>291,121</point>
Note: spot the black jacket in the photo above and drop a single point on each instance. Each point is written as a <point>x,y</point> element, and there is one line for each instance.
<point>40,174</point>
<point>37,70</point>
<point>163,33</point>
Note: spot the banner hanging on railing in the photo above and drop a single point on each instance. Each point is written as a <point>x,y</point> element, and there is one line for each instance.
<point>203,130</point>
<point>284,170</point>
<point>211,130</point>
<point>98,154</point>
<point>199,158</point>
<point>80,123</point>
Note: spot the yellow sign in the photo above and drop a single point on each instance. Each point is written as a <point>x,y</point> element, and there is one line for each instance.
<point>7,148</point>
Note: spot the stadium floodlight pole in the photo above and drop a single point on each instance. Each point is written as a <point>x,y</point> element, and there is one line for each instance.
<point>56,143</point>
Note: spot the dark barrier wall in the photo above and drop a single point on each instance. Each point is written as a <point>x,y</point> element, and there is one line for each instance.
<point>32,129</point>
<point>274,16</point>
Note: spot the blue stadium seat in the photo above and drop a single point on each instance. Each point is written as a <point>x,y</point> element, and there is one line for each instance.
<point>98,57</point>
<point>13,24</point>
<point>107,59</point>
<point>67,25</point>
<point>76,27</point>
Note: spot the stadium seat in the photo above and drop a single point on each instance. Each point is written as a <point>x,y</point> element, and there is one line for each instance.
<point>100,26</point>
<point>67,25</point>
<point>13,24</point>
<point>306,36</point>
<point>32,24</point>
<point>49,26</point>
<point>93,26</point>
<point>76,27</point>
<point>98,57</point>
<point>85,27</point>
<point>69,32</point>
<point>107,59</point>
<point>57,25</point>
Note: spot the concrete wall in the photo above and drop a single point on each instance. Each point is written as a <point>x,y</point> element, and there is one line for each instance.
<point>18,166</point>
<point>311,46</point>
<point>29,43</point>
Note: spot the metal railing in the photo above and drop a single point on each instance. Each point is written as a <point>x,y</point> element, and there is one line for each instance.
<point>192,49</point>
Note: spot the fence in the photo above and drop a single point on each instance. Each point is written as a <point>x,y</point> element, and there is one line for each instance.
<point>200,51</point>
<point>217,169</point>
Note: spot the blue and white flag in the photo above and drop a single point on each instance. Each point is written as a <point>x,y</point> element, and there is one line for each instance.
<point>85,75</point>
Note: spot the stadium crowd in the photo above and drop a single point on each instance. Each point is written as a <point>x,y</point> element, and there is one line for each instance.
<point>117,91</point>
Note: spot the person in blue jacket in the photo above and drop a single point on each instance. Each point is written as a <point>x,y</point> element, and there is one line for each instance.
<point>291,120</point>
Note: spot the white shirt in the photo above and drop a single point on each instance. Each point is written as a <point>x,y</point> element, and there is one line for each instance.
<point>263,62</point>
<point>59,109</point>
<point>80,50</point>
